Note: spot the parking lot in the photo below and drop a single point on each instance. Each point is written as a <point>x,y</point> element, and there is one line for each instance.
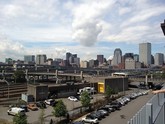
<point>128,110</point>
<point>33,116</point>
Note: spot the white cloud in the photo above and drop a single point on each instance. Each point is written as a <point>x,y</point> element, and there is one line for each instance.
<point>124,10</point>
<point>9,48</point>
<point>87,18</point>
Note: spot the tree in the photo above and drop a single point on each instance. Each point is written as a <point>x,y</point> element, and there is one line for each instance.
<point>60,109</point>
<point>108,92</point>
<point>41,117</point>
<point>85,99</point>
<point>19,119</point>
<point>19,76</point>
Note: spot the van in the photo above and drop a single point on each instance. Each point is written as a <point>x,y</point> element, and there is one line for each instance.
<point>15,110</point>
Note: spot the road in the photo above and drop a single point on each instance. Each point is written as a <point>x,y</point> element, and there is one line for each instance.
<point>128,111</point>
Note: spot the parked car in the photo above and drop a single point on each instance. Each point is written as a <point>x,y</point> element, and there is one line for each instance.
<point>16,110</point>
<point>110,108</point>
<point>106,109</point>
<point>90,119</point>
<point>32,106</point>
<point>41,104</point>
<point>97,115</point>
<point>114,106</point>
<point>24,107</point>
<point>72,98</point>
<point>104,112</point>
<point>50,102</point>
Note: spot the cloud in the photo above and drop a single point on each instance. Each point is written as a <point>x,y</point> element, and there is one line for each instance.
<point>86,21</point>
<point>9,48</point>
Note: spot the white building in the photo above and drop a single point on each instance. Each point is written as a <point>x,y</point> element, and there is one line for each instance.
<point>41,59</point>
<point>84,64</point>
<point>159,59</point>
<point>145,53</point>
<point>130,63</point>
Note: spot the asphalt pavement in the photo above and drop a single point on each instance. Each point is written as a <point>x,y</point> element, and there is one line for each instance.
<point>126,112</point>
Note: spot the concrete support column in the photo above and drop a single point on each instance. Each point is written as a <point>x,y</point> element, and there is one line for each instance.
<point>26,75</point>
<point>98,72</point>
<point>56,73</point>
<point>38,77</point>
<point>146,79</point>
<point>151,76</point>
<point>81,75</point>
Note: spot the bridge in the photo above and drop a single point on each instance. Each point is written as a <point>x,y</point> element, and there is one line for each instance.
<point>79,76</point>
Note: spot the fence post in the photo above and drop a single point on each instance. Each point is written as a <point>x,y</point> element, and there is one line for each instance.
<point>149,113</point>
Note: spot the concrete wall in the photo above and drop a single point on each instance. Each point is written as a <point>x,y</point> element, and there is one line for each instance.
<point>39,91</point>
<point>119,84</point>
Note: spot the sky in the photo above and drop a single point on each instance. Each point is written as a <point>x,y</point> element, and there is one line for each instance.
<point>83,27</point>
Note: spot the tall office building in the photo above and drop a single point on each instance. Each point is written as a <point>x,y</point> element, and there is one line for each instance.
<point>117,56</point>
<point>29,59</point>
<point>68,55</point>
<point>72,59</point>
<point>159,59</point>
<point>136,57</point>
<point>41,59</point>
<point>163,27</point>
<point>100,58</point>
<point>145,53</point>
<point>93,63</point>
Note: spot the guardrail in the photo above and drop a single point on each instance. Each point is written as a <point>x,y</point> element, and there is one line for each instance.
<point>153,112</point>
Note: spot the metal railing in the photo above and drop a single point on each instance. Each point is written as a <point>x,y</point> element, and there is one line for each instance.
<point>153,112</point>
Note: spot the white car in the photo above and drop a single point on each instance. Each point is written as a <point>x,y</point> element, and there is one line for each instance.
<point>90,119</point>
<point>72,98</point>
<point>49,101</point>
<point>15,111</point>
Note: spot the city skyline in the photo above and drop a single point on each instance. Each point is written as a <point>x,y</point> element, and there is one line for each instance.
<point>87,28</point>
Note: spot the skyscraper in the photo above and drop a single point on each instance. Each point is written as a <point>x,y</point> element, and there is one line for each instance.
<point>159,59</point>
<point>29,59</point>
<point>145,53</point>
<point>163,27</point>
<point>117,56</point>
<point>136,57</point>
<point>41,59</point>
<point>100,58</point>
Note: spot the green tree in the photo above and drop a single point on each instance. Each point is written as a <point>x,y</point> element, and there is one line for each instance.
<point>85,99</point>
<point>60,109</point>
<point>108,92</point>
<point>19,76</point>
<point>19,119</point>
<point>41,116</point>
